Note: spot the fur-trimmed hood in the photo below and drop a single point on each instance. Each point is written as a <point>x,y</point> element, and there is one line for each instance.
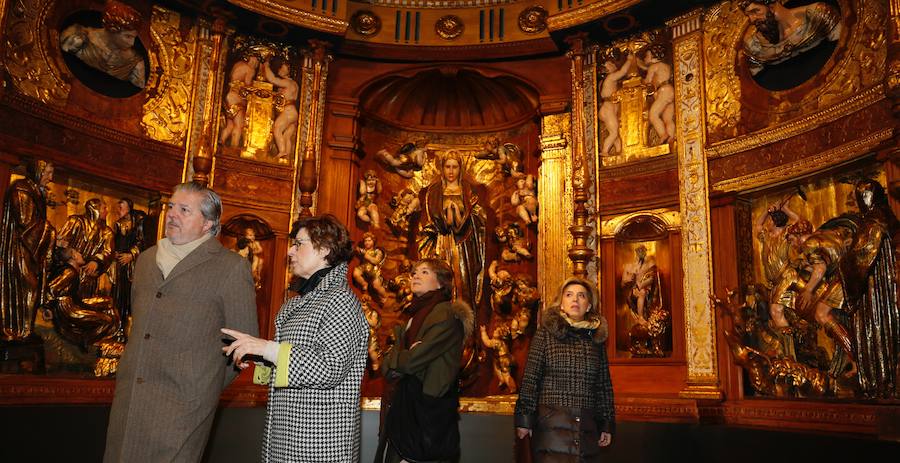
<point>463,312</point>
<point>556,325</point>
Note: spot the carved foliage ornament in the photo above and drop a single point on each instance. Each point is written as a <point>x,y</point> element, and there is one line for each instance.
<point>365,22</point>
<point>25,46</point>
<point>533,20</point>
<point>449,27</point>
<point>167,111</point>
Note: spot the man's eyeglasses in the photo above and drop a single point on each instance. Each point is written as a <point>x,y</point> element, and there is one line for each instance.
<point>296,243</point>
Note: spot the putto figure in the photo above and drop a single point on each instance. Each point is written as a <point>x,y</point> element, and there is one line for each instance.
<point>408,159</point>
<point>368,273</point>
<point>609,107</point>
<point>369,189</point>
<point>659,78</point>
<point>284,128</point>
<point>779,33</point>
<point>242,74</point>
<point>109,49</point>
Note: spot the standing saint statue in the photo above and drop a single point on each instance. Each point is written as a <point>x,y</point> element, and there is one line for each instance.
<point>26,248</point>
<point>128,239</point>
<point>452,226</point>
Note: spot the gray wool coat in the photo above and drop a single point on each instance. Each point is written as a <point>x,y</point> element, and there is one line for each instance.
<point>173,370</point>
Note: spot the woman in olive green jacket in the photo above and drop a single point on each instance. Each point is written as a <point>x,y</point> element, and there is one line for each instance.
<point>422,417</point>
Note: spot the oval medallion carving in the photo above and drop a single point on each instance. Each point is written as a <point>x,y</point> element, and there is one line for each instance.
<point>533,20</point>
<point>366,23</point>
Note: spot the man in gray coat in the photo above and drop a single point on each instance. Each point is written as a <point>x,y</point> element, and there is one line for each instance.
<point>172,372</point>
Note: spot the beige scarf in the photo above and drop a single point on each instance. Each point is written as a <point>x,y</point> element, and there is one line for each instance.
<point>589,324</point>
<point>168,255</point>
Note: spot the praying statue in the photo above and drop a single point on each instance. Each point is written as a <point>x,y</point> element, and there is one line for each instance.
<point>109,49</point>
<point>452,226</point>
<point>128,238</point>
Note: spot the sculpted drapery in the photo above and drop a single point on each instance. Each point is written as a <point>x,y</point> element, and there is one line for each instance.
<point>26,248</point>
<point>452,227</point>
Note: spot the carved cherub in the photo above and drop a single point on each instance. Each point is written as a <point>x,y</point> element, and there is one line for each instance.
<point>503,359</point>
<point>404,203</point>
<point>516,244</point>
<point>366,208</point>
<point>368,273</point>
<point>659,78</point>
<point>408,159</point>
<point>506,154</point>
<point>501,289</point>
<point>524,197</point>
<point>373,318</point>
<point>400,285</point>
<point>609,106</point>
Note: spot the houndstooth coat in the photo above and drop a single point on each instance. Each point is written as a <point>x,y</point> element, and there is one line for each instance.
<point>316,418</point>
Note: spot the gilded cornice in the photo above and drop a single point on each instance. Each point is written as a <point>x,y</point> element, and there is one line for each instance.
<point>642,167</point>
<point>797,126</point>
<point>587,13</point>
<point>808,165</point>
<point>296,16</point>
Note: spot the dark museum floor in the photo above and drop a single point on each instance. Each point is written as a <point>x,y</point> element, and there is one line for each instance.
<point>76,434</point>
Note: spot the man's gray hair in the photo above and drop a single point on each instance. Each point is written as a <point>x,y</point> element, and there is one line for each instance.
<point>210,203</point>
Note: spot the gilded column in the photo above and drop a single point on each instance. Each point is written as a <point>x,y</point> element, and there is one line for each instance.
<point>700,326</point>
<point>580,254</point>
<point>555,197</point>
<point>309,137</point>
<point>209,75</point>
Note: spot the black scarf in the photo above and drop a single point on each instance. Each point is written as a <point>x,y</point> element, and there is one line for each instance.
<point>420,307</point>
<point>305,285</point>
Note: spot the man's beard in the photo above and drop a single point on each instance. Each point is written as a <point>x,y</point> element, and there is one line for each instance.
<point>768,27</point>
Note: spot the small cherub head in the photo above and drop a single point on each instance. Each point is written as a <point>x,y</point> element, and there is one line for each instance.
<point>368,240</point>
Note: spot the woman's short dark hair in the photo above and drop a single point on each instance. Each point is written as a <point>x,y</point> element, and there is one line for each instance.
<point>327,232</point>
<point>442,271</point>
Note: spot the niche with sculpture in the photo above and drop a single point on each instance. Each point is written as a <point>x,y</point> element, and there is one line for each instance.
<point>253,239</point>
<point>643,274</point>
<point>472,201</point>
<point>260,106</point>
<point>819,316</point>
<point>66,309</point>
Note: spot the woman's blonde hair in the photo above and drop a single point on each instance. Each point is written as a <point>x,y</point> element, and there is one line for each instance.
<point>593,295</point>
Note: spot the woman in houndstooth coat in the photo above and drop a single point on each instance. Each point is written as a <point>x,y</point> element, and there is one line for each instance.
<point>318,355</point>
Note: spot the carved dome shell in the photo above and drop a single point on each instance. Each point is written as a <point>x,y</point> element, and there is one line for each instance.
<point>449,98</point>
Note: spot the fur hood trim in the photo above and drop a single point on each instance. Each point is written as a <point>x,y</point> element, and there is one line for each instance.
<point>554,323</point>
<point>463,312</point>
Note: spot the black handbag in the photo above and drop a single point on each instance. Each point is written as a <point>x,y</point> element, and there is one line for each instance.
<point>421,427</point>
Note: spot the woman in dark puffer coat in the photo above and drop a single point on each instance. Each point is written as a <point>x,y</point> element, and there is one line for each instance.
<point>566,397</point>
